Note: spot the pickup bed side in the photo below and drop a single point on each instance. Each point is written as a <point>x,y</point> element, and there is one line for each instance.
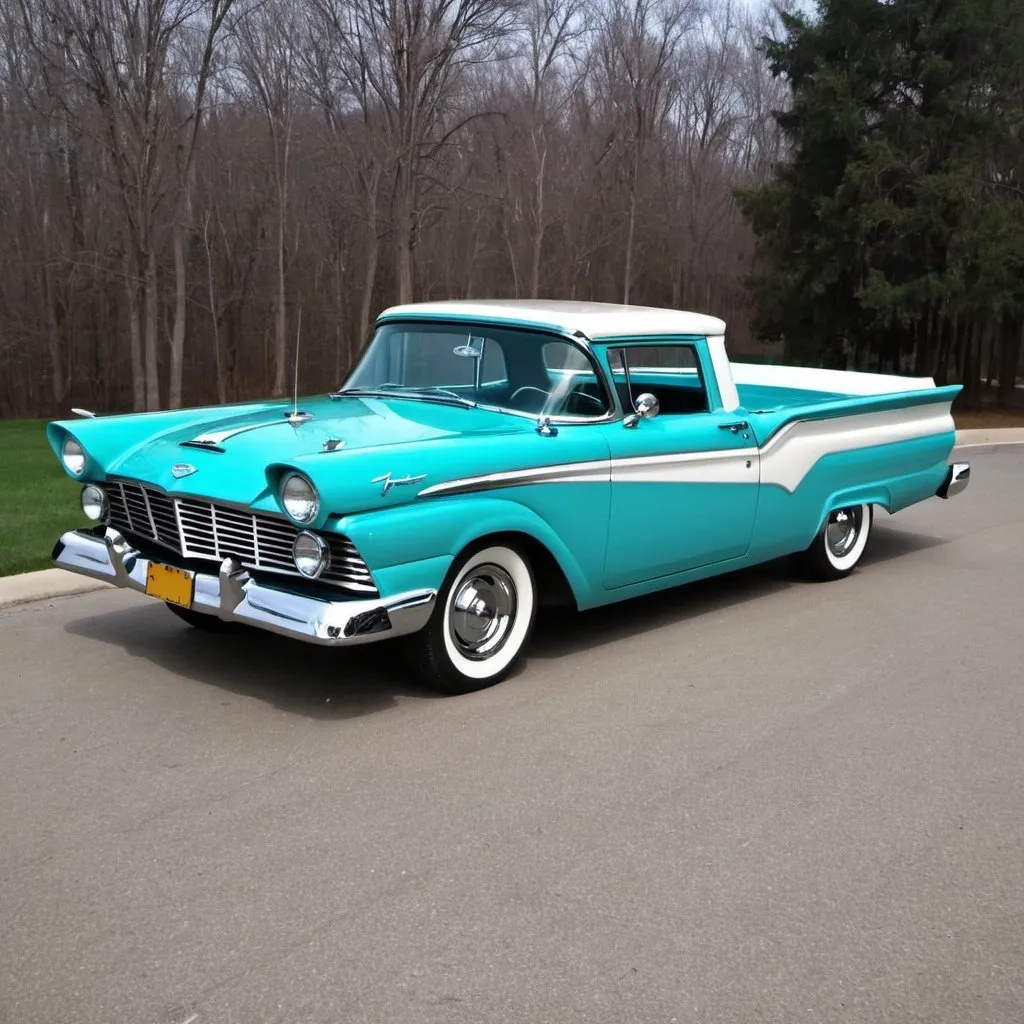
<point>829,438</point>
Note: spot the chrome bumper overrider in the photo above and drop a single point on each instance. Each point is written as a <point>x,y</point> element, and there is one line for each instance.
<point>957,479</point>
<point>233,595</point>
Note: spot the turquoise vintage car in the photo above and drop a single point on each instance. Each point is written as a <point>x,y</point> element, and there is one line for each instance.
<point>485,458</point>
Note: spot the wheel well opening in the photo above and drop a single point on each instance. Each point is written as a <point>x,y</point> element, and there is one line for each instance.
<point>553,590</point>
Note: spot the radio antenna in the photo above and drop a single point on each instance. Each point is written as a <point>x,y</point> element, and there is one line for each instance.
<point>296,417</point>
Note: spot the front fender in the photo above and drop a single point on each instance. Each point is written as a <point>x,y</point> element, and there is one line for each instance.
<point>439,529</point>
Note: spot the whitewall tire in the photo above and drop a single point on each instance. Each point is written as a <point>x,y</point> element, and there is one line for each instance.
<point>481,623</point>
<point>839,545</point>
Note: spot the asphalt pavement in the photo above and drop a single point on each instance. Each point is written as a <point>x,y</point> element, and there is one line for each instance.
<point>752,799</point>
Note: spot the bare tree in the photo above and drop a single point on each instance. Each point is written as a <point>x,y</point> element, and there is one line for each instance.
<point>176,177</point>
<point>640,40</point>
<point>269,44</point>
<point>410,57</point>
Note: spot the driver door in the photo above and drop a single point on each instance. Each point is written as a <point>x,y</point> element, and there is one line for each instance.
<point>684,484</point>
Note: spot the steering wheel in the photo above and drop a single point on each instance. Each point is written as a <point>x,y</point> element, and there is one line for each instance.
<point>526,387</point>
<point>575,397</point>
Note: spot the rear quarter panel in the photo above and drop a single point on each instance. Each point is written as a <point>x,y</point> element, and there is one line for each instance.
<point>889,450</point>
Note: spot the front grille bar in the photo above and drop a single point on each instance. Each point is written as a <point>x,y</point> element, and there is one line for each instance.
<point>198,529</point>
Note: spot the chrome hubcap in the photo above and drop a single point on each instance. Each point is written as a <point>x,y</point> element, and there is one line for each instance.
<point>842,530</point>
<point>483,611</point>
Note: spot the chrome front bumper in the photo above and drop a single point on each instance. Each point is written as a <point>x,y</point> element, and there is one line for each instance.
<point>233,595</point>
<point>957,478</point>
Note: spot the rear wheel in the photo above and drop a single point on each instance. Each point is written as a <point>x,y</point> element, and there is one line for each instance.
<point>838,545</point>
<point>481,623</point>
<point>207,623</point>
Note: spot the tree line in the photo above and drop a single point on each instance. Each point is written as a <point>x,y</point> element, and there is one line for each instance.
<point>200,197</point>
<point>190,189</point>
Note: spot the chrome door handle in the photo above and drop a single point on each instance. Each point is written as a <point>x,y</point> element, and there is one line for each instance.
<point>735,427</point>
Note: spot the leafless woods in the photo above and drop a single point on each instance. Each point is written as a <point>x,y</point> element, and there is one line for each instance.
<point>185,182</point>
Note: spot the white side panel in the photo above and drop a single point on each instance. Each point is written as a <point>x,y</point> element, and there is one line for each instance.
<point>723,372</point>
<point>789,455</point>
<point>845,382</point>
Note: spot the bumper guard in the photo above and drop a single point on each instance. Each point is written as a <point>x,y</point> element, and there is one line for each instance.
<point>958,477</point>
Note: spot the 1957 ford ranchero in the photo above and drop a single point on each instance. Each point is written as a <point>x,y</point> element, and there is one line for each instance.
<point>484,458</point>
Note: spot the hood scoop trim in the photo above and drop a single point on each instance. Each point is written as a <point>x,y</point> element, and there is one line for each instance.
<point>213,440</point>
<point>208,446</point>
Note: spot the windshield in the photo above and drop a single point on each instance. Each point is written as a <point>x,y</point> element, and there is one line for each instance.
<point>518,371</point>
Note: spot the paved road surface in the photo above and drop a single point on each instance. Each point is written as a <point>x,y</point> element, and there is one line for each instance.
<point>750,800</point>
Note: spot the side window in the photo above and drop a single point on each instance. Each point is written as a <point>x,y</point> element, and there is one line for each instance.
<point>669,372</point>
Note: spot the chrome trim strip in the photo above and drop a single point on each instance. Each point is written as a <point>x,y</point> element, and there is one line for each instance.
<point>127,510</point>
<point>149,512</point>
<point>220,436</point>
<point>233,595</point>
<point>181,530</point>
<point>603,471</point>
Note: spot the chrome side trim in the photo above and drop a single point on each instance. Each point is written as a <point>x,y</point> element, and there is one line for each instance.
<point>233,595</point>
<point>698,467</point>
<point>958,476</point>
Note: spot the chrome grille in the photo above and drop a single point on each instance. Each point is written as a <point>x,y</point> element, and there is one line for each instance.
<point>202,529</point>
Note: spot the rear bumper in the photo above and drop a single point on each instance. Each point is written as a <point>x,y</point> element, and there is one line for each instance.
<point>958,476</point>
<point>233,595</point>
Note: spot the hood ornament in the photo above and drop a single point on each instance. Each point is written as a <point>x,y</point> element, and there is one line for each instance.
<point>387,481</point>
<point>180,469</point>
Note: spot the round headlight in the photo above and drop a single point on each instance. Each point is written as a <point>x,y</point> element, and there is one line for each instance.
<point>94,502</point>
<point>73,456</point>
<point>299,498</point>
<point>310,554</point>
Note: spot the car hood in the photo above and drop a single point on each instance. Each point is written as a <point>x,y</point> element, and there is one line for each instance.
<point>239,454</point>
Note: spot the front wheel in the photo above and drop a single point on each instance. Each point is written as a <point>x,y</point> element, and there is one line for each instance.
<point>481,623</point>
<point>838,545</point>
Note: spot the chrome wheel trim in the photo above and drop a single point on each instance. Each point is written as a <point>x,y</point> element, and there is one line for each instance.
<point>843,529</point>
<point>482,612</point>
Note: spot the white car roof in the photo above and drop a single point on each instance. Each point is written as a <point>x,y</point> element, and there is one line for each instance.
<point>595,319</point>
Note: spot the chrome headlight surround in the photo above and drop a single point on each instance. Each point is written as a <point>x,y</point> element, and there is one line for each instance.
<point>299,498</point>
<point>72,455</point>
<point>310,554</point>
<point>94,502</point>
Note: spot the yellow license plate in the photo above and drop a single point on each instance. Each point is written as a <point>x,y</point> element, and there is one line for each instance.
<point>169,584</point>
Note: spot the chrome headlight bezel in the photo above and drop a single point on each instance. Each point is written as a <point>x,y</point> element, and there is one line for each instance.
<point>72,456</point>
<point>316,557</point>
<point>94,498</point>
<point>302,508</point>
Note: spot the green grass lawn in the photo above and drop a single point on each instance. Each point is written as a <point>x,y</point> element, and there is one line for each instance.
<point>39,502</point>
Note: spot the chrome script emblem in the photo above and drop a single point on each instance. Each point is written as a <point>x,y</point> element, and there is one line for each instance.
<point>181,469</point>
<point>387,481</point>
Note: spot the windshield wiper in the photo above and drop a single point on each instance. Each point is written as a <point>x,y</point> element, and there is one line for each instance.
<point>400,391</point>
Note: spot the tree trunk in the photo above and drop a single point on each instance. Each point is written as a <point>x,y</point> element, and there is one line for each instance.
<point>152,332</point>
<point>538,228</point>
<point>1009,361</point>
<point>369,282</point>
<point>925,344</point>
<point>218,354</point>
<point>630,232</point>
<point>178,331</point>
<point>135,337</point>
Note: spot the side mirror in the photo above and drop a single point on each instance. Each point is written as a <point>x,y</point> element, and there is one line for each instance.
<point>647,406</point>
